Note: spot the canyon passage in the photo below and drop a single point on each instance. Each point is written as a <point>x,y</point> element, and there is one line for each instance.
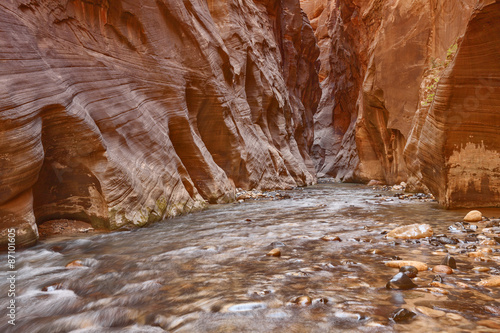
<point>286,158</point>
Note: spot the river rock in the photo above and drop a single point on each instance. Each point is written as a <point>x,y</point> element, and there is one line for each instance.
<point>490,282</point>
<point>303,300</point>
<point>75,264</point>
<point>400,281</point>
<point>331,238</point>
<point>443,269</point>
<point>274,253</point>
<point>413,231</point>
<point>449,261</point>
<point>401,315</point>
<point>481,269</point>
<point>410,271</point>
<point>400,263</point>
<point>473,216</point>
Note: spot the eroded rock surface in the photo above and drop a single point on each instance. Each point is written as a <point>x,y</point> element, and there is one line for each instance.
<point>123,113</point>
<point>409,94</point>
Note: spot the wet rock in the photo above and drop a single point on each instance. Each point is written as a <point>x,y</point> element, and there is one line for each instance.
<point>322,300</point>
<point>413,231</point>
<point>437,279</point>
<point>277,244</point>
<point>75,264</point>
<point>443,269</point>
<point>400,263</point>
<point>402,315</point>
<point>473,216</point>
<point>449,261</point>
<point>302,300</point>
<point>481,269</point>
<point>57,286</point>
<point>471,239</point>
<point>490,282</point>
<point>274,253</point>
<point>400,281</point>
<point>410,271</point>
<point>447,240</point>
<point>331,238</point>
<point>497,239</point>
<point>431,312</point>
<point>457,227</point>
<point>375,182</point>
<point>476,254</point>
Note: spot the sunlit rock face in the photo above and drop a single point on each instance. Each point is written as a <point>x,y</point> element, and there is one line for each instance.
<point>124,112</point>
<point>410,93</point>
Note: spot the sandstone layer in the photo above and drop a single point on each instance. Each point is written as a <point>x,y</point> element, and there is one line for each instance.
<point>119,112</point>
<point>410,94</point>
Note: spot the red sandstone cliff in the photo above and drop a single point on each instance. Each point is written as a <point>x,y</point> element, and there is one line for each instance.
<point>398,79</point>
<point>121,112</point>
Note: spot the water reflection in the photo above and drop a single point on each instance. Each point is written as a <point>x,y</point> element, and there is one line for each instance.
<point>208,272</point>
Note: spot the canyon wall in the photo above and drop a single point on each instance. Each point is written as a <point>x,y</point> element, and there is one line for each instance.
<point>118,112</point>
<point>410,94</point>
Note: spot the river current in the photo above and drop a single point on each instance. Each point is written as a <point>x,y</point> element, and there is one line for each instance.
<point>208,271</point>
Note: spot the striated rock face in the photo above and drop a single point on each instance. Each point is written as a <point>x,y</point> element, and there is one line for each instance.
<point>120,113</point>
<point>456,141</point>
<point>409,95</point>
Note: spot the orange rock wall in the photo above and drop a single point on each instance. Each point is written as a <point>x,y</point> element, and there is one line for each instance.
<point>118,112</point>
<point>398,77</point>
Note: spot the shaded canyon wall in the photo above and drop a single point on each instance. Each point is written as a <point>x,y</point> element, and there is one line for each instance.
<point>410,93</point>
<point>119,112</point>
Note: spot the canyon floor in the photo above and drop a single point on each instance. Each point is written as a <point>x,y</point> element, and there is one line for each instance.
<point>210,271</point>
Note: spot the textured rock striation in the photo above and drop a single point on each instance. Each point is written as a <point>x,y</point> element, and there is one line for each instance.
<point>120,113</point>
<point>410,94</point>
<point>455,143</point>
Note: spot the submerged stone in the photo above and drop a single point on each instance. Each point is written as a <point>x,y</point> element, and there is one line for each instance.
<point>400,281</point>
<point>449,261</point>
<point>274,253</point>
<point>401,315</point>
<point>412,231</point>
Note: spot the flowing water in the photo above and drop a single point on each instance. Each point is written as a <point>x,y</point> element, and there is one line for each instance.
<point>208,272</point>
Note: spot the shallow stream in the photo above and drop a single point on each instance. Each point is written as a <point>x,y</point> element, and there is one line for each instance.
<point>208,271</point>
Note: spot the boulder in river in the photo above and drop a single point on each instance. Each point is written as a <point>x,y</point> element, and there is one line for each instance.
<point>401,315</point>
<point>274,253</point>
<point>400,281</point>
<point>302,300</point>
<point>331,238</point>
<point>75,264</point>
<point>412,231</point>
<point>473,216</point>
<point>443,269</point>
<point>449,261</point>
<point>400,263</point>
<point>410,271</point>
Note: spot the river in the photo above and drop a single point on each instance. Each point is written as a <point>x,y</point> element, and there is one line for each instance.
<point>208,271</point>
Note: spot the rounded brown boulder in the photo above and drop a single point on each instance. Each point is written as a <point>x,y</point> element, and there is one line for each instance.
<point>443,269</point>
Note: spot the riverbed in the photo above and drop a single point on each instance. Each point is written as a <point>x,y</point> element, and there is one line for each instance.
<point>208,271</point>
